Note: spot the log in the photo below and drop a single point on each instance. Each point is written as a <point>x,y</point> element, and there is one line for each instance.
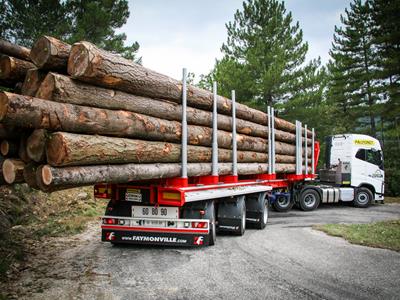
<point>96,66</point>
<point>13,170</point>
<point>53,177</point>
<point>37,113</point>
<point>22,151</point>
<point>29,174</point>
<point>36,145</point>
<point>9,148</point>
<point>7,132</point>
<point>67,149</point>
<point>50,54</point>
<point>2,181</point>
<point>33,79</point>
<point>14,50</point>
<point>63,89</point>
<point>14,69</point>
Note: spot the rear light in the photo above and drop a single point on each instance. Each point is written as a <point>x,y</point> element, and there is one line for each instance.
<point>199,224</point>
<point>110,221</point>
<point>103,191</point>
<point>171,196</point>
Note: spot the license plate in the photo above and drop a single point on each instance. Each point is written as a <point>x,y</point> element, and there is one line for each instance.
<point>133,195</point>
<point>159,212</point>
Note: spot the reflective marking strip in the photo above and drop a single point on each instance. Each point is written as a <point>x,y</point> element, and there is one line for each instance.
<point>127,228</point>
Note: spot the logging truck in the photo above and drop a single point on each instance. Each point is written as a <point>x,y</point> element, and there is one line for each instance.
<point>190,210</point>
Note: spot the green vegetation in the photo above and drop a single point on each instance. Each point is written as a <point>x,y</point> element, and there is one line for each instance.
<point>384,234</point>
<point>27,217</point>
<point>24,21</point>
<point>392,199</point>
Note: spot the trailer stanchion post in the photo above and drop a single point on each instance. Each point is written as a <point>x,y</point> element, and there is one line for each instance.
<point>273,139</point>
<point>305,151</point>
<point>312,151</point>
<point>234,142</point>
<point>184,125</point>
<point>215,132</point>
<point>298,148</point>
<point>269,141</point>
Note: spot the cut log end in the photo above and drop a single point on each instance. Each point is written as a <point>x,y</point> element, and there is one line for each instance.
<point>46,175</point>
<point>78,61</point>
<point>6,63</point>
<point>4,148</point>
<point>40,51</point>
<point>56,149</point>
<point>13,170</point>
<point>46,88</point>
<point>3,104</point>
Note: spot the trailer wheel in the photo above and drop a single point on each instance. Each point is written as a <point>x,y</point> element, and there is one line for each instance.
<point>241,203</point>
<point>210,214</point>
<point>309,200</point>
<point>363,197</point>
<point>282,204</point>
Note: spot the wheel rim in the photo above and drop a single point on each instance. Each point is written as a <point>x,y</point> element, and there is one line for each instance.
<point>283,201</point>
<point>362,198</point>
<point>309,200</point>
<point>244,220</point>
<point>265,215</point>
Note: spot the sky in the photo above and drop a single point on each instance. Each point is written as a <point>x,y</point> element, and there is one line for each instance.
<point>187,33</point>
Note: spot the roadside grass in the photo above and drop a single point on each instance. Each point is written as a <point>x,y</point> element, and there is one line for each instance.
<point>28,216</point>
<point>392,199</point>
<point>384,234</point>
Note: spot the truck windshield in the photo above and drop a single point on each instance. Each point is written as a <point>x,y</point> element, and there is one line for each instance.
<point>372,156</point>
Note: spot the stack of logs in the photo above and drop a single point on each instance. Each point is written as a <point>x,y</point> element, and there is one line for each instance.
<point>87,116</point>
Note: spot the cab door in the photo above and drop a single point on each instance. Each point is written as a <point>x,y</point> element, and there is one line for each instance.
<point>368,168</point>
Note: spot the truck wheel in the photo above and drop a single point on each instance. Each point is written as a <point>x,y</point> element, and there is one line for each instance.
<point>363,197</point>
<point>242,210</point>
<point>282,204</point>
<point>309,200</point>
<point>210,214</point>
<point>264,205</point>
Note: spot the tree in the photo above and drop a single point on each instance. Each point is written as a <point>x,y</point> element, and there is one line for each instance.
<point>264,55</point>
<point>353,86</point>
<point>24,21</point>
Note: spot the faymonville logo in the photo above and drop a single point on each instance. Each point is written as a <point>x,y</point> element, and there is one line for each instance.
<point>154,239</point>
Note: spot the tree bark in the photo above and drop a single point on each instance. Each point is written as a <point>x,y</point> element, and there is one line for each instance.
<point>93,65</point>
<point>52,177</point>
<point>36,145</point>
<point>14,69</point>
<point>50,54</point>
<point>67,149</point>
<point>23,111</point>
<point>63,89</point>
<point>7,132</point>
<point>13,170</point>
<point>9,148</point>
<point>29,174</point>
<point>14,50</point>
<point>22,151</point>
<point>33,79</point>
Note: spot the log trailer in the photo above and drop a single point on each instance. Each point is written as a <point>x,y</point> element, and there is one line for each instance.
<point>189,211</point>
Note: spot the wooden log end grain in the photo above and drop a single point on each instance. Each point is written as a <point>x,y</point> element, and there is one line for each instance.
<point>13,170</point>
<point>3,104</point>
<point>12,68</point>
<point>46,88</point>
<point>9,148</point>
<point>79,59</point>
<point>33,80</point>
<point>36,145</point>
<point>50,53</point>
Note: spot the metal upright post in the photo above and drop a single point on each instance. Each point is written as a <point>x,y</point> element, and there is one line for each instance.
<point>305,151</point>
<point>273,139</point>
<point>234,142</point>
<point>215,133</point>
<point>312,152</point>
<point>298,148</point>
<point>184,125</point>
<point>269,141</point>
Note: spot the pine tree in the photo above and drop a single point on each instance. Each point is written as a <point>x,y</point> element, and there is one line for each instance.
<point>353,87</point>
<point>264,55</point>
<point>23,21</point>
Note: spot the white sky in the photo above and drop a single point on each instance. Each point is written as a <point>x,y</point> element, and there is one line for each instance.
<point>187,33</point>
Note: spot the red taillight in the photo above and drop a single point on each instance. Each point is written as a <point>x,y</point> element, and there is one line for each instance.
<point>110,221</point>
<point>199,224</point>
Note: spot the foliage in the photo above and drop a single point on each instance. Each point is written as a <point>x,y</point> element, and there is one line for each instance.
<point>25,21</point>
<point>384,234</point>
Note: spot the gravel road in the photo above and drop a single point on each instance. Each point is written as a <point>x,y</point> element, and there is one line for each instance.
<point>286,260</point>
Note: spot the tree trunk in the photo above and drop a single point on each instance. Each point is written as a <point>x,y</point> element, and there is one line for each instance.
<point>14,69</point>
<point>22,151</point>
<point>13,170</point>
<point>67,149</point>
<point>33,79</point>
<point>14,50</point>
<point>29,174</point>
<point>23,111</point>
<point>52,177</point>
<point>50,54</point>
<point>93,65</point>
<point>63,89</point>
<point>9,148</point>
<point>36,145</point>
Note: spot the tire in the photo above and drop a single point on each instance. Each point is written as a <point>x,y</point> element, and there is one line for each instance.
<point>362,198</point>
<point>264,214</point>
<point>282,204</point>
<point>309,200</point>
<point>242,207</point>
<point>210,214</point>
